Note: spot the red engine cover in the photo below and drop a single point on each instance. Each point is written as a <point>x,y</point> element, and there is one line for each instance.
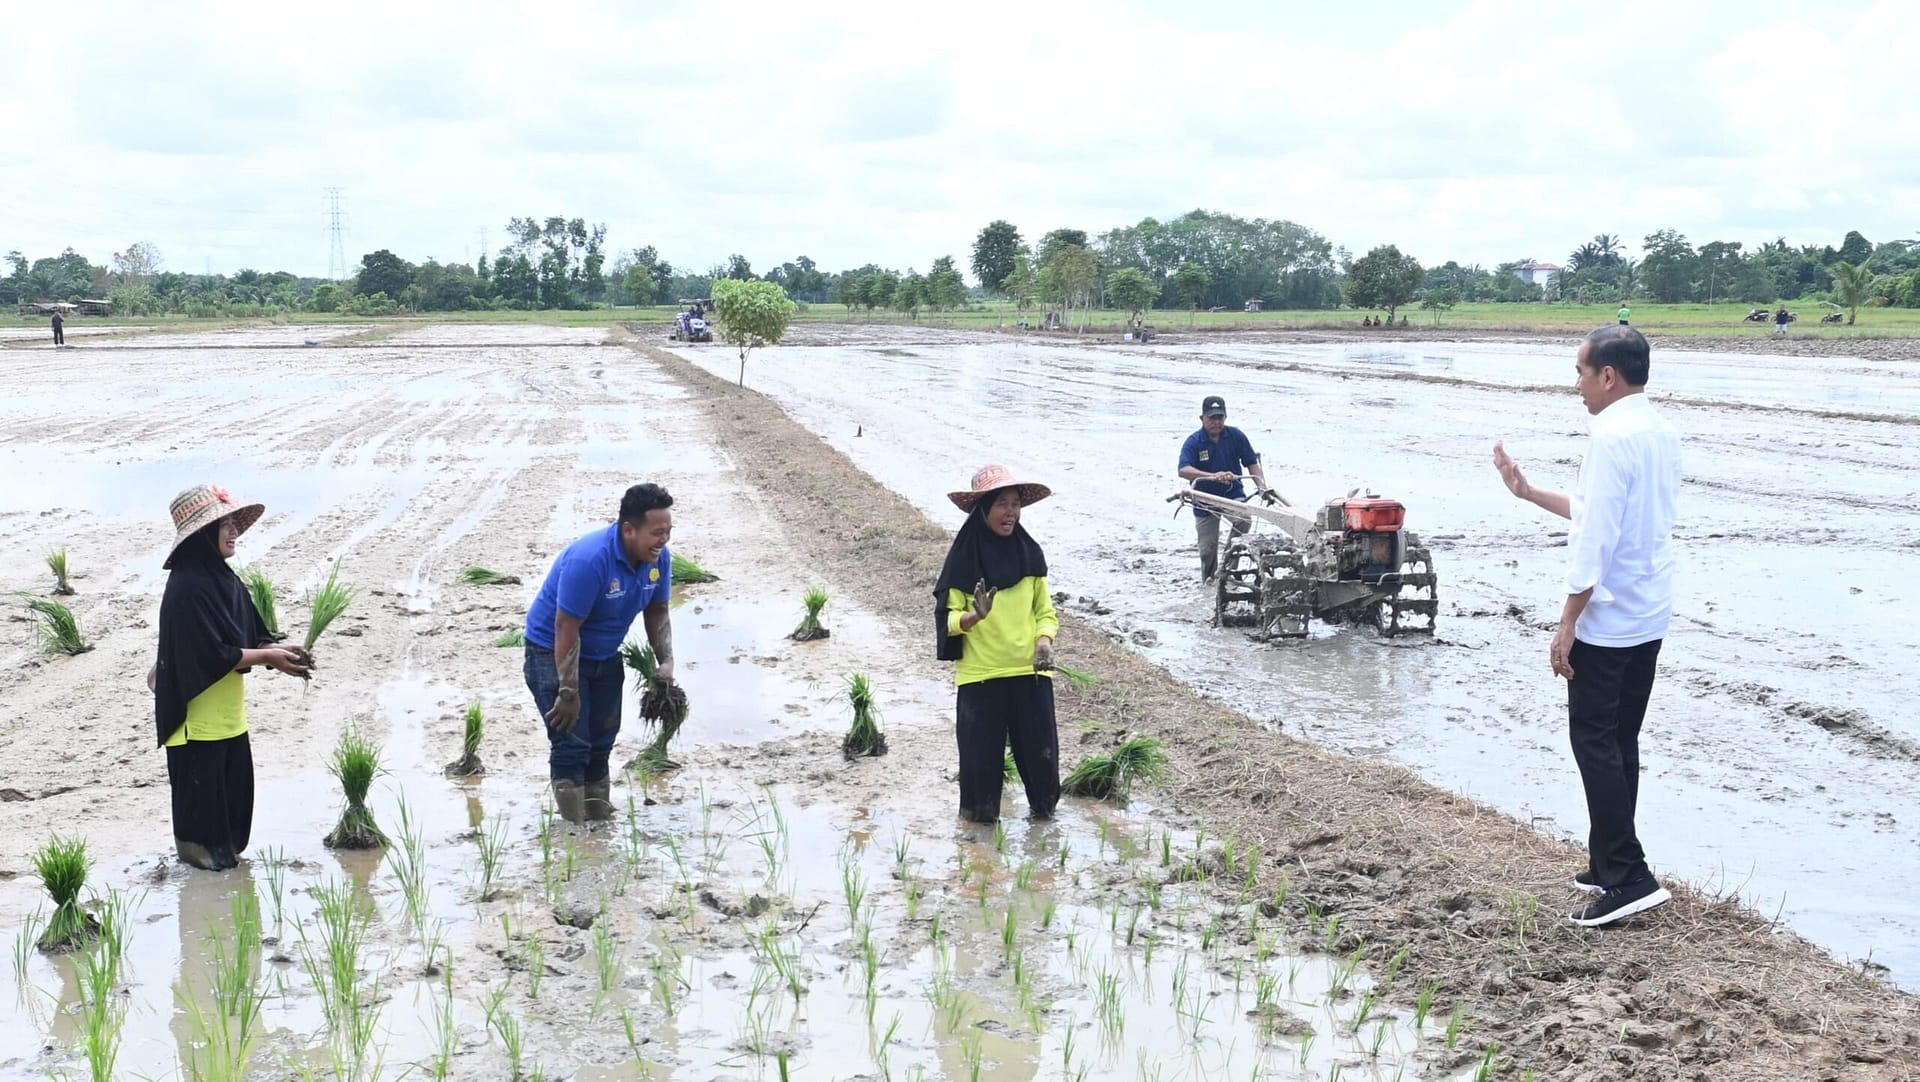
<point>1375,515</point>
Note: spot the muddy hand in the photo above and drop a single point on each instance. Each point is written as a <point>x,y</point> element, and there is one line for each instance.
<point>1043,655</point>
<point>983,599</point>
<point>566,711</point>
<point>290,661</point>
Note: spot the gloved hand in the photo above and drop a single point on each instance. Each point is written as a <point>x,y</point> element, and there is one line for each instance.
<point>983,599</point>
<point>1043,655</point>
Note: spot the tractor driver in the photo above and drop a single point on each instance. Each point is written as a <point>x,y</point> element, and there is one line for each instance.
<point>1214,458</point>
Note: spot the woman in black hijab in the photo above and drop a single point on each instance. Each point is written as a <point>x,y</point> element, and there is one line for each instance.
<point>994,616</point>
<point>210,633</point>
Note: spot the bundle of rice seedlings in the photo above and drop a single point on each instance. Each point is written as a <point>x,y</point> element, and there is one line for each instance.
<point>356,761</point>
<point>1078,676</point>
<point>326,603</point>
<point>486,576</point>
<point>474,724</point>
<point>57,563</point>
<point>863,736</point>
<point>1111,776</point>
<point>810,629</point>
<point>685,572</point>
<point>59,631</point>
<point>662,705</point>
<point>1008,770</point>
<point>516,637</point>
<point>62,866</point>
<point>264,600</point>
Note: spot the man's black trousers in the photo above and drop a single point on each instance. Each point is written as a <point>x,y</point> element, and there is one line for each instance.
<point>1606,702</point>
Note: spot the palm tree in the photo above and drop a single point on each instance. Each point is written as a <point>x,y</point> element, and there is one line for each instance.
<point>1607,246</point>
<point>1583,257</point>
<point>1629,270</point>
<point>1851,285</point>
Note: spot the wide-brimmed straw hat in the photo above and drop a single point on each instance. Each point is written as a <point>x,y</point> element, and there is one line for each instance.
<point>202,504</point>
<point>988,479</point>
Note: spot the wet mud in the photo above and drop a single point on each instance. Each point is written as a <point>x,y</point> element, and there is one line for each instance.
<point>769,898</point>
<point>1799,540</point>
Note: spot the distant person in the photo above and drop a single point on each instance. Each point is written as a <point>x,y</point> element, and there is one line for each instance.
<point>1780,320</point>
<point>1403,321</point>
<point>1619,602</point>
<point>1625,313</point>
<point>994,616</point>
<point>59,329</point>
<point>575,627</point>
<point>210,634</point>
<point>1366,321</point>
<point>1213,459</point>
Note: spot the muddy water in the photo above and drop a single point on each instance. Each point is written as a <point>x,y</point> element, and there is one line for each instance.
<point>412,462</point>
<point>1781,759</point>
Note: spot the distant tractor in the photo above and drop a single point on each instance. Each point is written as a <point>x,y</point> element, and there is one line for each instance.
<point>1351,562</point>
<point>691,326</point>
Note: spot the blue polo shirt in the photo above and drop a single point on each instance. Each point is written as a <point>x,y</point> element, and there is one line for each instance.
<point>1230,452</point>
<point>593,580</point>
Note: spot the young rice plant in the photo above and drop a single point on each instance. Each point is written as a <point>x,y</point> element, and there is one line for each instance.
<point>327,603</point>
<point>62,866</point>
<point>59,631</point>
<point>260,587</point>
<point>487,576</point>
<point>810,628</point>
<point>473,727</point>
<point>57,563</point>
<point>863,736</point>
<point>686,572</point>
<point>356,761</point>
<point>1111,776</point>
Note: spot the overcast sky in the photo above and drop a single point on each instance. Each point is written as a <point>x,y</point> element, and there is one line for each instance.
<point>861,131</point>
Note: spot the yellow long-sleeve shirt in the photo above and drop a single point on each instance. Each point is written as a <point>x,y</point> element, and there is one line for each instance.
<point>1002,644</point>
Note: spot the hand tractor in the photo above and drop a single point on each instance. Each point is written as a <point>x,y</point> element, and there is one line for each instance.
<point>1349,562</point>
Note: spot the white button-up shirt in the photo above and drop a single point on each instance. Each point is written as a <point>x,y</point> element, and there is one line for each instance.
<point>1623,511</point>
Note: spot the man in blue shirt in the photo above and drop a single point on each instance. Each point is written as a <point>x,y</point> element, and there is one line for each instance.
<point>575,628</point>
<point>1213,459</point>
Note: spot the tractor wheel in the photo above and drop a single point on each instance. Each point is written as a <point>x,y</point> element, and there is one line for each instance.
<point>1416,605</point>
<point>1236,600</point>
<point>1286,596</point>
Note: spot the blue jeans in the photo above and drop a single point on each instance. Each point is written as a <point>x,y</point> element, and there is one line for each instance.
<point>581,755</point>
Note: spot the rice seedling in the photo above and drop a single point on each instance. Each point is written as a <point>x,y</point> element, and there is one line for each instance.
<point>1306,1046</point>
<point>446,1036</point>
<point>687,573</point>
<point>265,601</point>
<point>1009,931</point>
<point>1009,770</point>
<point>59,631</point>
<point>102,1014</point>
<point>662,705</point>
<point>62,865</point>
<point>535,956</point>
<point>325,605</point>
<point>1485,1073</point>
<point>854,885</point>
<point>1023,879</point>
<point>1365,1010</point>
<point>864,736</point>
<point>1399,959</point>
<point>486,576</point>
<point>356,762</point>
<point>1000,836</point>
<point>1423,1005</point>
<point>1079,677</point>
<point>225,1036</point>
<point>493,845</point>
<point>1456,1025</point>
<point>24,942</point>
<point>810,628</point>
<point>1111,776</point>
<point>508,1027</point>
<point>785,962</point>
<point>667,981</point>
<point>473,726</point>
<point>515,637</point>
<point>1379,1039</point>
<point>606,957</point>
<point>274,860</point>
<point>57,563</point>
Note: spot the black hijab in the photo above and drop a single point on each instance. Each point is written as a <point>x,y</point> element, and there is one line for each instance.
<point>978,553</point>
<point>206,619</point>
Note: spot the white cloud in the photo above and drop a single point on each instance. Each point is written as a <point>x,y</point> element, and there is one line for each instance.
<point>866,132</point>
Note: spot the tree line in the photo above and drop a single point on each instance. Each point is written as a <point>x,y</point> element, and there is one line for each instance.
<point>1201,259</point>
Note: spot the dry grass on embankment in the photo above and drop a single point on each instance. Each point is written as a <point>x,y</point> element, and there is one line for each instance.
<point>1705,988</point>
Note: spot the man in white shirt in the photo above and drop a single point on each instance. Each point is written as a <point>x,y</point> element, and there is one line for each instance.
<point>1619,603</point>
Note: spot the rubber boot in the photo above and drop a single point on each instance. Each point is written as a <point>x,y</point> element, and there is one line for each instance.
<point>195,854</point>
<point>571,799</point>
<point>599,800</point>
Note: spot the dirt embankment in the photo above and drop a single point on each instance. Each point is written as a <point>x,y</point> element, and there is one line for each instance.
<point>1703,989</point>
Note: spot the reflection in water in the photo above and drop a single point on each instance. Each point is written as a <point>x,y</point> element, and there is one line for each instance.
<point>211,904</point>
